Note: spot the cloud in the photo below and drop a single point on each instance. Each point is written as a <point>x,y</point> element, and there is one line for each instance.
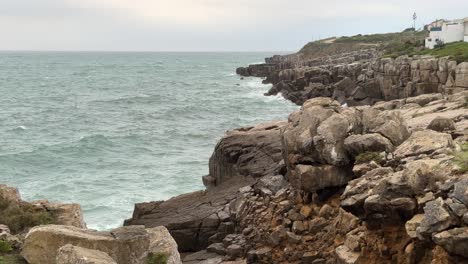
<point>203,24</point>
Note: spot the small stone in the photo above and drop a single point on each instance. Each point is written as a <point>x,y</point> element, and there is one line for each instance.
<point>309,257</point>
<point>305,211</point>
<point>234,251</point>
<point>217,248</point>
<point>293,238</point>
<point>298,227</point>
<point>317,224</point>
<point>345,255</point>
<point>352,242</point>
<point>326,211</point>
<point>413,224</point>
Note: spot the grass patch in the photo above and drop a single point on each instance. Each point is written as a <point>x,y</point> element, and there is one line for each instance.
<point>157,258</point>
<point>457,51</point>
<point>20,216</point>
<point>400,37</point>
<point>5,247</point>
<point>369,156</point>
<point>461,158</point>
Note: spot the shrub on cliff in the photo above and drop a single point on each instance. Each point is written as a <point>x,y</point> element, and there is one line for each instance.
<point>157,258</point>
<point>19,216</point>
<point>5,247</point>
<point>461,158</point>
<point>369,156</point>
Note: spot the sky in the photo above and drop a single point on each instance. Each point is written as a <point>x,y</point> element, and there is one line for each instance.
<point>204,25</point>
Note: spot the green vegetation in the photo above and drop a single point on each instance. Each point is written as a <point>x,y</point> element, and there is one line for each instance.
<point>387,38</point>
<point>394,44</point>
<point>369,156</point>
<point>5,247</point>
<point>458,51</point>
<point>157,258</point>
<point>19,216</point>
<point>461,158</point>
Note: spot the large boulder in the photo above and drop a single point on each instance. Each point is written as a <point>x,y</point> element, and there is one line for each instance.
<point>461,79</point>
<point>191,218</point>
<point>454,241</point>
<point>253,151</point>
<point>356,144</point>
<point>423,142</point>
<point>313,178</point>
<point>126,245</point>
<point>70,254</point>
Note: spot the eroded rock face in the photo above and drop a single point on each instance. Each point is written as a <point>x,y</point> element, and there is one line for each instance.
<point>322,140</point>
<point>254,152</point>
<point>454,241</point>
<point>126,245</point>
<point>192,219</point>
<point>70,254</point>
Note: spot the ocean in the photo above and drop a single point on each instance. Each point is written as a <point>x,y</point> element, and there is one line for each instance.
<point>108,130</point>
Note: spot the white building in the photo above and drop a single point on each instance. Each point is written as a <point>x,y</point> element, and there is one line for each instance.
<point>447,32</point>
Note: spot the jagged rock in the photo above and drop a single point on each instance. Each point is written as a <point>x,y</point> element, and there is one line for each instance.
<point>345,255</point>
<point>454,241</point>
<point>70,254</point>
<point>5,235</point>
<point>437,218</point>
<point>217,248</point>
<point>442,124</point>
<point>363,168</point>
<point>234,251</point>
<point>305,211</point>
<point>293,238</point>
<point>389,124</point>
<point>310,257</point>
<point>413,224</point>
<point>424,99</point>
<point>253,151</point>
<point>356,144</point>
<point>423,142</point>
<point>272,183</point>
<point>190,218</point>
<point>161,241</point>
<point>125,245</point>
<point>262,255</point>
<point>461,72</point>
<point>460,191</point>
<point>313,178</point>
<point>64,214</point>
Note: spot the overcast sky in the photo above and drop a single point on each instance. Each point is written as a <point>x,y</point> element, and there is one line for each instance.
<point>204,25</point>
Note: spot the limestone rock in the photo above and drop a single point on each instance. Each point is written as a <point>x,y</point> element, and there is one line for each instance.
<point>442,124</point>
<point>454,241</point>
<point>130,245</point>
<point>313,178</point>
<point>253,151</point>
<point>437,218</point>
<point>423,142</point>
<point>357,144</point>
<point>345,255</point>
<point>70,254</point>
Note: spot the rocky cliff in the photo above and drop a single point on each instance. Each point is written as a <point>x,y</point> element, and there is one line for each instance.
<point>368,184</point>
<point>359,78</point>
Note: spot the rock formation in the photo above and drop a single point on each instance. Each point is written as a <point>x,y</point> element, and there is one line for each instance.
<point>126,245</point>
<point>367,184</point>
<point>363,80</point>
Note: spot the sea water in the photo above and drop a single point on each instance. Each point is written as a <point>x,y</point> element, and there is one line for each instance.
<point>108,130</point>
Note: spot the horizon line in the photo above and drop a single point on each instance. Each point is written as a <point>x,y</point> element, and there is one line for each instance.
<point>155,51</point>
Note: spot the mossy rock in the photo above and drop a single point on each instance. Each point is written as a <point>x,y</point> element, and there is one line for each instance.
<point>368,157</point>
<point>20,216</point>
<point>157,258</point>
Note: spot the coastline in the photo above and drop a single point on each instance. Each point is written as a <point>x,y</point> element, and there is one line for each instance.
<point>373,180</point>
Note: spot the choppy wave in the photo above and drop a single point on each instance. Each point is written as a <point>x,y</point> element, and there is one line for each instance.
<point>131,128</point>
